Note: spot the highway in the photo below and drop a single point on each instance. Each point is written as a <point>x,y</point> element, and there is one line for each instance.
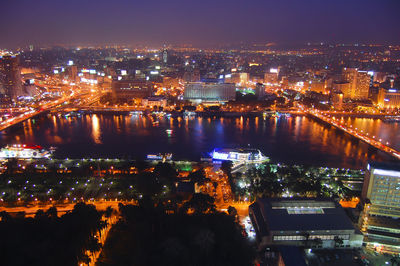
<point>355,133</point>
<point>33,112</point>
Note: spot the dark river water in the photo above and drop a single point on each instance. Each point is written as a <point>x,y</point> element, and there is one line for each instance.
<point>297,139</point>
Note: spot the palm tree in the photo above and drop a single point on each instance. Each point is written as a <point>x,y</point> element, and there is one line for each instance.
<point>5,216</point>
<point>101,226</point>
<point>52,212</point>
<point>394,261</point>
<point>108,213</point>
<point>93,246</point>
<point>84,258</point>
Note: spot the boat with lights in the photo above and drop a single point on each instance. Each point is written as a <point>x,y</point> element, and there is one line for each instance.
<point>241,155</point>
<point>23,151</point>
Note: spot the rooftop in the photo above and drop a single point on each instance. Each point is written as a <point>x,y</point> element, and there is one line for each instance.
<point>300,214</point>
<point>385,166</point>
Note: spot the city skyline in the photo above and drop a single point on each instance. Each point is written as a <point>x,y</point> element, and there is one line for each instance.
<point>200,133</point>
<point>202,23</point>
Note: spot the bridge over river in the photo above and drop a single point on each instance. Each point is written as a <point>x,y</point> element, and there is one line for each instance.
<point>335,122</point>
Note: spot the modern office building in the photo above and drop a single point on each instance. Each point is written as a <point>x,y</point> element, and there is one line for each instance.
<point>317,85</point>
<point>359,83</point>
<point>308,222</point>
<point>237,78</point>
<point>131,89</point>
<point>388,98</point>
<point>337,99</point>
<point>10,76</point>
<point>271,78</point>
<point>259,91</point>
<point>159,101</point>
<point>199,92</point>
<point>165,55</point>
<point>380,220</point>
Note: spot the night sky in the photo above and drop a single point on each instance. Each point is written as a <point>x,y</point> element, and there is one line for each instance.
<point>155,22</point>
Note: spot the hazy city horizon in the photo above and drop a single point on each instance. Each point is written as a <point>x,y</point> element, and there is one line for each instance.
<point>206,22</point>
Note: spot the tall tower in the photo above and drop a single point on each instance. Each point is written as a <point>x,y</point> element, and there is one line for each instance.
<point>10,76</point>
<point>359,82</point>
<point>165,55</point>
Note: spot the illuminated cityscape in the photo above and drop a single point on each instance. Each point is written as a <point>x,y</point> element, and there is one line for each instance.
<point>200,133</point>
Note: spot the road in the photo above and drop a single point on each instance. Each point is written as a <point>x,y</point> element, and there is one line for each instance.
<point>355,133</point>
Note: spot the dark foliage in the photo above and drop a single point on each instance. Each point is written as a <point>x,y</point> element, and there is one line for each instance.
<point>147,236</point>
<point>48,239</point>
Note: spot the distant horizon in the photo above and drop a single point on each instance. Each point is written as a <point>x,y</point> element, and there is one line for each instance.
<point>203,22</point>
<point>258,45</point>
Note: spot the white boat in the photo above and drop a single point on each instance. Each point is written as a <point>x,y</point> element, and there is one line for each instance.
<point>239,155</point>
<point>22,151</point>
<point>389,119</point>
<point>163,157</point>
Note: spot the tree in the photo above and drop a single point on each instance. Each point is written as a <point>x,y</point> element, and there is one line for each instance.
<point>5,216</point>
<point>52,212</point>
<point>200,203</point>
<point>394,261</point>
<point>148,184</point>
<point>198,176</point>
<point>84,258</point>
<point>93,245</point>
<point>233,212</point>
<point>108,212</point>
<point>205,240</point>
<point>40,214</point>
<point>226,167</point>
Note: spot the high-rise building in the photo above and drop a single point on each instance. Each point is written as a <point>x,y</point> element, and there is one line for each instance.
<point>193,75</point>
<point>10,76</point>
<point>271,77</point>
<point>209,92</point>
<point>337,99</point>
<point>260,91</point>
<point>165,56</point>
<point>359,82</point>
<point>389,98</point>
<point>237,78</point>
<point>380,220</point>
<point>318,85</point>
<point>127,90</point>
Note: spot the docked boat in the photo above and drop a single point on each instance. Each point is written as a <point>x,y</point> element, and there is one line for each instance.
<point>135,113</point>
<point>159,156</point>
<point>22,151</point>
<point>246,155</point>
<point>391,119</point>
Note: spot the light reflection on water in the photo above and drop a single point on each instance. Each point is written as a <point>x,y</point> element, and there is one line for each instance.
<point>294,140</point>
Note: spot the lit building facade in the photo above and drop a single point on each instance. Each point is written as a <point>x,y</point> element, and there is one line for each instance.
<point>10,76</point>
<point>359,83</point>
<point>237,78</point>
<point>380,220</point>
<point>337,99</point>
<point>199,92</point>
<point>159,101</point>
<point>317,223</point>
<point>131,89</point>
<point>389,98</point>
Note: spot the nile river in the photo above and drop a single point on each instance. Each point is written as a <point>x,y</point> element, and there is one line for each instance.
<point>297,139</point>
